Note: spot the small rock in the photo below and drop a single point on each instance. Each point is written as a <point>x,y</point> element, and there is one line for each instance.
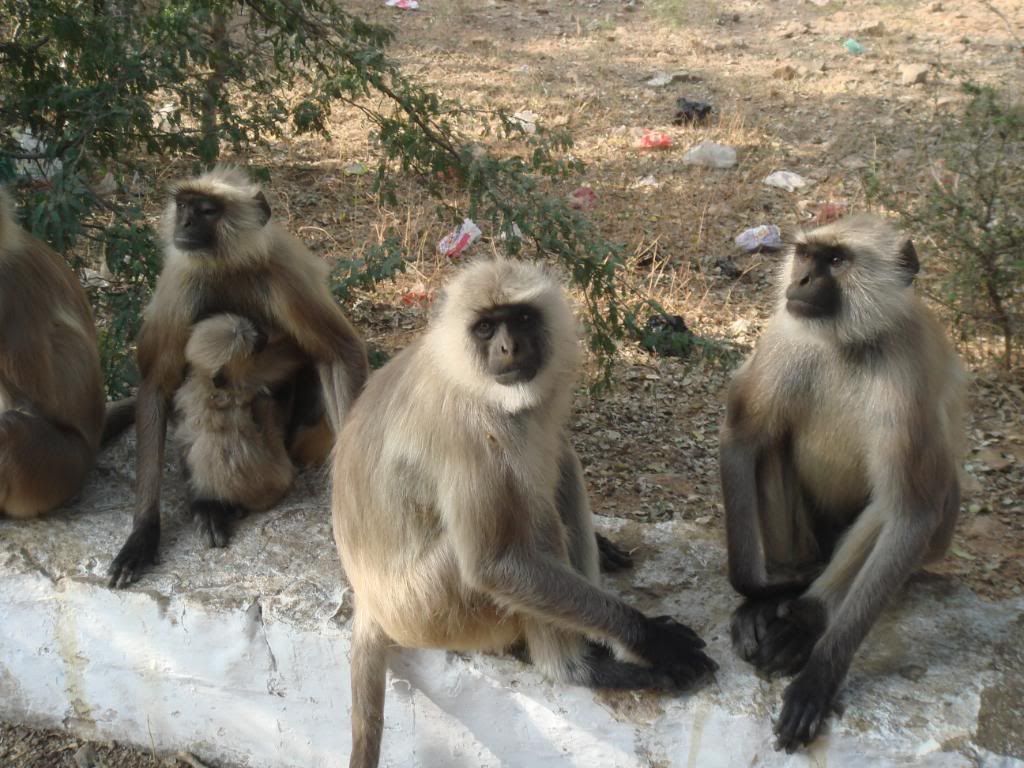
<point>785,72</point>
<point>913,672</point>
<point>660,79</point>
<point>913,74</point>
<point>526,120</point>
<point>872,30</point>
<point>935,7</point>
<point>710,155</point>
<point>86,757</point>
<point>792,29</point>
<point>728,268</point>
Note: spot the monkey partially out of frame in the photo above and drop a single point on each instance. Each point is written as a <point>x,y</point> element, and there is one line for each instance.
<point>839,458</point>
<point>460,511</point>
<point>230,426</point>
<point>52,420</point>
<point>224,254</point>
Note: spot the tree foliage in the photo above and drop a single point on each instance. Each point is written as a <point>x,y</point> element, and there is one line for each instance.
<point>973,210</point>
<point>104,87</point>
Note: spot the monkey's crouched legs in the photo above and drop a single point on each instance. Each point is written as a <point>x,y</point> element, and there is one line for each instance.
<point>42,465</point>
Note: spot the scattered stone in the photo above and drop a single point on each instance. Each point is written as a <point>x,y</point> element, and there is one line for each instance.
<point>872,30</point>
<point>792,29</point>
<point>935,7</point>
<point>526,120</point>
<point>913,74</point>
<point>854,163</point>
<point>786,180</point>
<point>913,672</point>
<point>785,72</point>
<point>728,268</point>
<point>766,237</point>
<point>86,757</point>
<point>691,112</point>
<point>710,155</point>
<point>660,79</point>
<point>354,169</point>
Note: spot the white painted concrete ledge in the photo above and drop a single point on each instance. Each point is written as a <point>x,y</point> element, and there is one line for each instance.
<point>240,656</point>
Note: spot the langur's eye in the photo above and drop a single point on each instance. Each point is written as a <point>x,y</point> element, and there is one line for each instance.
<point>837,260</point>
<point>483,329</point>
<point>526,318</point>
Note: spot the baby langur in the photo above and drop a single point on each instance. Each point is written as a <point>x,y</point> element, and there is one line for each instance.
<point>51,386</point>
<point>230,427</point>
<point>839,458</point>
<point>224,254</point>
<point>460,511</point>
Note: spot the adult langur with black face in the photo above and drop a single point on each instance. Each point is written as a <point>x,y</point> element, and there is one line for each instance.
<point>224,254</point>
<point>51,386</point>
<point>460,511</point>
<point>838,459</point>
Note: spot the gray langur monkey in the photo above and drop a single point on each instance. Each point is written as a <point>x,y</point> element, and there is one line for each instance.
<point>839,456</point>
<point>223,253</point>
<point>228,423</point>
<point>52,414</point>
<point>460,511</point>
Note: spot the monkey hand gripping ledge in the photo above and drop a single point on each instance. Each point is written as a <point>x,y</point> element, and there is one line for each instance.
<point>240,656</point>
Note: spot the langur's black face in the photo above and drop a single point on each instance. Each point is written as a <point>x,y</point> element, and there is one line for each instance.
<point>198,216</point>
<point>196,219</point>
<point>511,342</point>
<point>814,290</point>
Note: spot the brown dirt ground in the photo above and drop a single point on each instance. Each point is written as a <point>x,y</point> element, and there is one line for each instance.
<point>788,96</point>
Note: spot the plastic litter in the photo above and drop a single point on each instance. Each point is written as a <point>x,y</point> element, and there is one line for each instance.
<point>648,139</point>
<point>417,296</point>
<point>646,182</point>
<point>852,46</point>
<point>766,237</point>
<point>405,5</point>
<point>711,155</point>
<point>786,180</point>
<point>453,244</point>
<point>691,112</point>
<point>582,199</point>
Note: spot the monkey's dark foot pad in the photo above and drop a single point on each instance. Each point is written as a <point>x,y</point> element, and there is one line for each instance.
<point>214,520</point>
<point>137,554</point>
<point>613,557</point>
<point>777,635</point>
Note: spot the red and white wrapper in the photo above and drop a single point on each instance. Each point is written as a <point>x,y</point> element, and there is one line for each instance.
<point>653,140</point>
<point>453,244</point>
<point>405,5</point>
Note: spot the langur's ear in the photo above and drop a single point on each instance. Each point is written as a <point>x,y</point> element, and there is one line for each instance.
<point>261,200</point>
<point>908,260</point>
